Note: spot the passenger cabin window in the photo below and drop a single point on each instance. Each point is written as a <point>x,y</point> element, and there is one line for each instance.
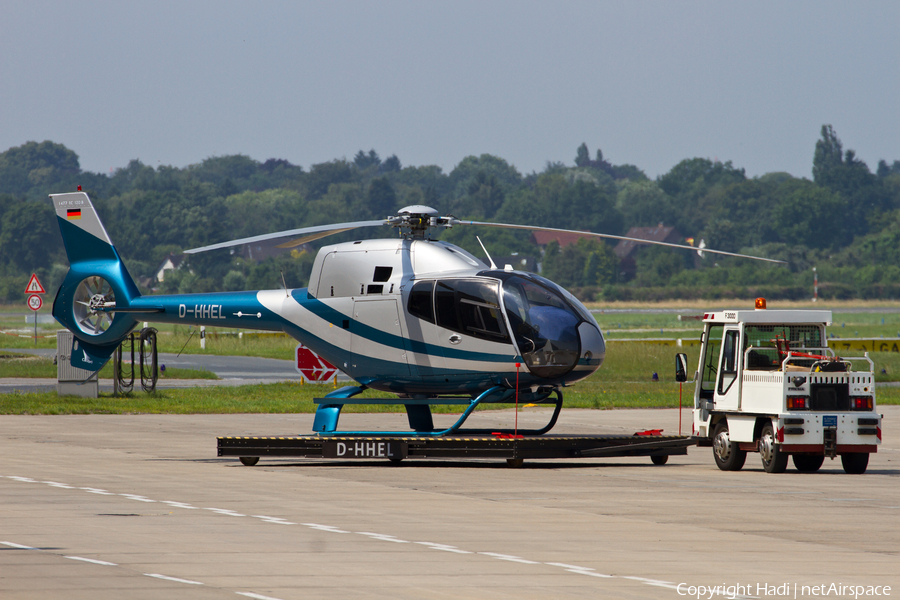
<point>420,303</point>
<point>445,306</point>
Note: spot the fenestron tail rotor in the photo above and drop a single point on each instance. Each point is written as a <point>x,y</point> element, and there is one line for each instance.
<point>93,299</point>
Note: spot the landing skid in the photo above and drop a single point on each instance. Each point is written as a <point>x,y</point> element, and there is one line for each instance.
<point>418,412</point>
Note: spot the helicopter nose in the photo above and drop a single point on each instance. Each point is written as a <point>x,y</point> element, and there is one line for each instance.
<point>593,349</point>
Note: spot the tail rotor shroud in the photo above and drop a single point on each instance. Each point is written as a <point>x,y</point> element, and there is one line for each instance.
<point>92,300</point>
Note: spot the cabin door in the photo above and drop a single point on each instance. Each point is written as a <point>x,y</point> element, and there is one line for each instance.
<point>377,343</point>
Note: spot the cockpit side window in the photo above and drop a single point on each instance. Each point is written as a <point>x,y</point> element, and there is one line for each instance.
<point>479,310</point>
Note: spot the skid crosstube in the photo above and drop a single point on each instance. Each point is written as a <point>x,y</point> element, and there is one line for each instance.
<point>474,446</point>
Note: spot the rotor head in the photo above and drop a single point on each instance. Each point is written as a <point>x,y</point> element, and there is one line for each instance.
<point>414,221</point>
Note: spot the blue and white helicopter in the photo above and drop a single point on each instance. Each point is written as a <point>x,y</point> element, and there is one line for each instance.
<point>419,318</point>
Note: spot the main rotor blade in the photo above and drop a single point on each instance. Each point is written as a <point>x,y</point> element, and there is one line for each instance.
<point>619,237</point>
<point>320,231</point>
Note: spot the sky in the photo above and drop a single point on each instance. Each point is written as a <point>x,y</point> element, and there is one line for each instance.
<point>650,83</point>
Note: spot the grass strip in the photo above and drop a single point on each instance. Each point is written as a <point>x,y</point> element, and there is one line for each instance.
<point>287,398</point>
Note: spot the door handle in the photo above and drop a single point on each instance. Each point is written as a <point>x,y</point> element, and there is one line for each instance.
<point>455,339</point>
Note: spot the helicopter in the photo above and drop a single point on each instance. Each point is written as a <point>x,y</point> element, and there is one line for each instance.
<point>412,316</point>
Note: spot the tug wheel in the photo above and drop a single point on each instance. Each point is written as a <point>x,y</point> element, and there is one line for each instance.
<point>249,461</point>
<point>808,463</point>
<point>773,459</point>
<point>855,463</point>
<point>729,457</point>
<point>660,459</point>
<point>515,463</point>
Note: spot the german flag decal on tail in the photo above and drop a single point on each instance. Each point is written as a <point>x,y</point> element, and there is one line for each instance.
<point>73,213</point>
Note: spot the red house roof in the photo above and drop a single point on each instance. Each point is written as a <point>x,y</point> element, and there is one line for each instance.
<point>660,233</point>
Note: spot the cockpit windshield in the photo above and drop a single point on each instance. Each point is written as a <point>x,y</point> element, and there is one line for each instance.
<point>544,324</point>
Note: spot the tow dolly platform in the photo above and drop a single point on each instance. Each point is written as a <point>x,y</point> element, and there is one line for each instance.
<point>504,446</point>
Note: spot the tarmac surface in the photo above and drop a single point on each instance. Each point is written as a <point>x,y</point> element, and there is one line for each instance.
<point>139,506</point>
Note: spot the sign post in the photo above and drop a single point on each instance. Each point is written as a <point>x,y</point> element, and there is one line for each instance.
<point>35,302</point>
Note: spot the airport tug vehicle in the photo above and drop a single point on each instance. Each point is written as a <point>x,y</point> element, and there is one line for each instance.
<point>768,383</point>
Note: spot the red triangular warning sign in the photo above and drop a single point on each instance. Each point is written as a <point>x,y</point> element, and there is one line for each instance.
<point>34,286</point>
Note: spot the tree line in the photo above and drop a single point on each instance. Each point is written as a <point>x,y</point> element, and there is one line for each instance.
<point>845,221</point>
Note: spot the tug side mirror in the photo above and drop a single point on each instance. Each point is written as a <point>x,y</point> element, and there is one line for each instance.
<point>681,367</point>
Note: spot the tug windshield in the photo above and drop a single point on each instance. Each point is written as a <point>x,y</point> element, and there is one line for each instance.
<point>544,325</point>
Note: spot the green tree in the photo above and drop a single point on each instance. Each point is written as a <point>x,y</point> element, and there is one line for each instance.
<point>809,215</point>
<point>468,169</point>
<point>485,196</point>
<point>585,263</point>
<point>218,169</point>
<point>381,199</point>
<point>32,155</point>
<point>691,176</point>
<point>29,235</point>
<point>322,175</point>
<point>644,204</point>
<point>363,161</point>
<point>601,264</point>
<point>391,164</point>
<point>590,207</point>
<point>234,281</point>
<point>583,157</point>
<point>656,265</point>
<point>867,199</point>
<point>845,173</point>
<point>692,183</point>
<point>36,165</point>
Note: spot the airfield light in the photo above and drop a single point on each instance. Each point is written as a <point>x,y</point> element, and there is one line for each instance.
<point>760,303</point>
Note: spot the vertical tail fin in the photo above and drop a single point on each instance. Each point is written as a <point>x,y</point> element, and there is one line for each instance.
<point>97,283</point>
